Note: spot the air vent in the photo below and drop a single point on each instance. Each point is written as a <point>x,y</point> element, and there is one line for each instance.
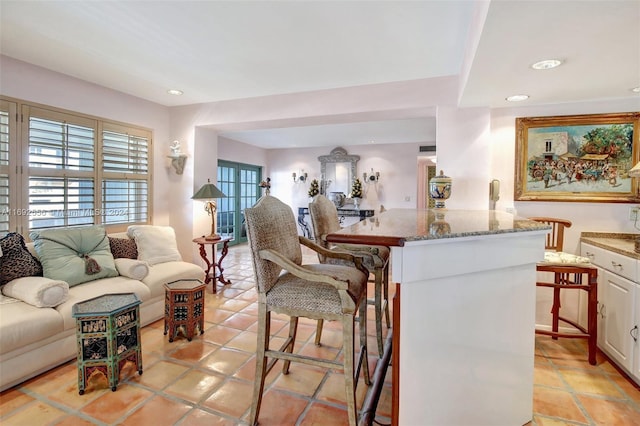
<point>428,148</point>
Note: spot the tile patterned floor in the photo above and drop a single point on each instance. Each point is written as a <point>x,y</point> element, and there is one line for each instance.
<point>208,381</point>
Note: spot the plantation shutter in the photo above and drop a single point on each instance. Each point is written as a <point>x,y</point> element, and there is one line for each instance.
<point>125,175</point>
<point>61,187</point>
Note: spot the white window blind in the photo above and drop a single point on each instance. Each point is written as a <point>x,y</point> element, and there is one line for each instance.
<point>60,145</point>
<point>60,201</point>
<point>124,201</point>
<point>125,171</point>
<point>61,168</point>
<point>124,153</point>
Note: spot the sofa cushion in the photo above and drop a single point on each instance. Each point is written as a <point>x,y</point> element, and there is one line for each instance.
<point>132,268</point>
<point>16,260</point>
<point>23,324</point>
<point>40,292</point>
<point>164,273</point>
<point>561,258</point>
<point>156,244</point>
<point>123,248</point>
<point>93,289</point>
<point>69,254</point>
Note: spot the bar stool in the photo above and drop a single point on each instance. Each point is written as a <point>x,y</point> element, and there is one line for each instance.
<point>324,219</point>
<point>570,272</point>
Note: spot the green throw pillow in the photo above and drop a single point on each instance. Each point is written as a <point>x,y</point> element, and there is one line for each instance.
<point>74,255</point>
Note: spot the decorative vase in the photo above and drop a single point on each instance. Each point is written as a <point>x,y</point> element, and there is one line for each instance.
<point>338,198</point>
<point>356,203</point>
<point>440,189</point>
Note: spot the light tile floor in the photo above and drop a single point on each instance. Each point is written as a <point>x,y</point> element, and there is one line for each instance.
<point>208,381</point>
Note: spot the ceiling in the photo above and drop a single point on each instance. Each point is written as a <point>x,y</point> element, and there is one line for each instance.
<point>223,50</point>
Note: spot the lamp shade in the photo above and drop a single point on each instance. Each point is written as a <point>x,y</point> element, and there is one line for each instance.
<point>635,171</point>
<point>208,192</point>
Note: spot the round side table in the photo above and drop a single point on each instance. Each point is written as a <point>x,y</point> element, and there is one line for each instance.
<point>212,264</point>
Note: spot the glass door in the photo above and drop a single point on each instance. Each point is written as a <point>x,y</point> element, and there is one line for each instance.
<point>239,182</point>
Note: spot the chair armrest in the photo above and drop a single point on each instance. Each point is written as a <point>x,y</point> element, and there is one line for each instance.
<point>301,272</point>
<point>359,249</point>
<point>342,255</point>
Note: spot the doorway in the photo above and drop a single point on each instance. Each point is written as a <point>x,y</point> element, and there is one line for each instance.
<point>239,182</point>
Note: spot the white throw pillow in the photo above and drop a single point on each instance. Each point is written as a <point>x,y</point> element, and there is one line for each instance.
<point>132,268</point>
<point>156,244</point>
<point>41,292</point>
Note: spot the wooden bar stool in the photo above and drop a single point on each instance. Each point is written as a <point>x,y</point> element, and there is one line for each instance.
<point>567,277</point>
<point>570,272</point>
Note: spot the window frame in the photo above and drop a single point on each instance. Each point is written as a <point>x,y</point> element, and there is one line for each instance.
<point>20,172</point>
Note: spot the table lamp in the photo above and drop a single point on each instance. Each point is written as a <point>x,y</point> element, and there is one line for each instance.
<point>209,193</point>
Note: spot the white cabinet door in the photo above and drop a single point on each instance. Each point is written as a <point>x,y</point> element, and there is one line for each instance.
<point>636,338</point>
<point>619,319</point>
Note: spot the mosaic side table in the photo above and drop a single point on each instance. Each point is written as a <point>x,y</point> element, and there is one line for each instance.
<point>108,335</point>
<point>184,308</point>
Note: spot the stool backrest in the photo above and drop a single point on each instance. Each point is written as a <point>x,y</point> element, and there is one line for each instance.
<point>555,239</point>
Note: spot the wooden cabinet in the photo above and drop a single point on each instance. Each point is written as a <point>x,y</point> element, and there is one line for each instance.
<point>619,307</point>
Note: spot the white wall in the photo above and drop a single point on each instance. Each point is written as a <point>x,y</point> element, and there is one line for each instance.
<point>463,153</point>
<point>397,164</point>
<point>474,145</point>
<point>603,217</point>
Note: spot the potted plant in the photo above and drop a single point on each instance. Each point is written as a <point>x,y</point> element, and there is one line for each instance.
<point>314,188</point>
<point>356,192</point>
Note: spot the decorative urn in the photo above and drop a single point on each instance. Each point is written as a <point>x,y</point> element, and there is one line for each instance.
<point>440,189</point>
<point>338,198</point>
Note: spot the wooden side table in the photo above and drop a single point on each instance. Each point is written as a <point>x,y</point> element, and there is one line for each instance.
<point>184,308</point>
<point>108,335</point>
<point>210,270</point>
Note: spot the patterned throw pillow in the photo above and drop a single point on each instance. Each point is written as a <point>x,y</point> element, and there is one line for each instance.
<point>123,248</point>
<point>16,261</point>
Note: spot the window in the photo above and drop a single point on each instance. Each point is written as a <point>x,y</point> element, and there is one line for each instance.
<point>125,168</point>
<point>8,131</point>
<point>78,170</point>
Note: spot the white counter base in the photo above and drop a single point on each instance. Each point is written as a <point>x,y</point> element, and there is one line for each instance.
<point>467,321</point>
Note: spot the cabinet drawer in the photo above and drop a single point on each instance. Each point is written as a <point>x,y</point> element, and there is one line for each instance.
<point>617,263</point>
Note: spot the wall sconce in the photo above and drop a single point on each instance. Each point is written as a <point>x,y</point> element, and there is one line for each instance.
<point>209,193</point>
<point>373,177</point>
<point>177,157</point>
<point>302,178</point>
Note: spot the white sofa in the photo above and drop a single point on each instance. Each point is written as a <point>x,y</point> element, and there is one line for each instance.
<point>34,340</point>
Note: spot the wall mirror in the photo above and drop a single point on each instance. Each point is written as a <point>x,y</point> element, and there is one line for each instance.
<point>337,171</point>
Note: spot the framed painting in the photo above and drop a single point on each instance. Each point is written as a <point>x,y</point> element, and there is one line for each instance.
<point>577,158</point>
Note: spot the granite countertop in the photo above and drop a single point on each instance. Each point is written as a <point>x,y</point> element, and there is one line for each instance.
<point>616,242</point>
<point>397,226</point>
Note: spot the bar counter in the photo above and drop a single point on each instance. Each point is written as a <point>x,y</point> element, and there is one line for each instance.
<point>397,226</point>
<point>464,313</point>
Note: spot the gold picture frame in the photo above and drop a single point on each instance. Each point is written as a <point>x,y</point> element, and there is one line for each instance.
<point>577,158</point>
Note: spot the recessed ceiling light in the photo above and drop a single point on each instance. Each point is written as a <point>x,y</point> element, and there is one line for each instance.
<point>174,92</point>
<point>517,98</point>
<point>547,64</point>
<point>636,89</point>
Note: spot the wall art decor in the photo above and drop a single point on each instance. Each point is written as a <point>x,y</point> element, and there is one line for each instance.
<point>577,158</point>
